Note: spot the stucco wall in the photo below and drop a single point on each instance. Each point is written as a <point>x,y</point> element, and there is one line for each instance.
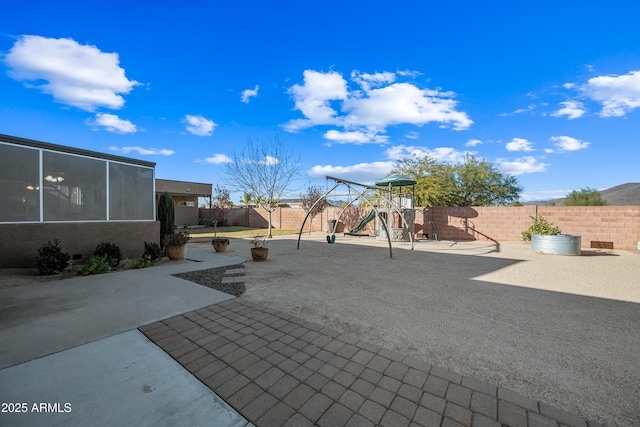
<point>19,243</point>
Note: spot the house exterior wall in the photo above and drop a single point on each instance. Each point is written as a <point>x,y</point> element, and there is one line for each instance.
<point>20,242</point>
<point>599,226</point>
<point>185,198</point>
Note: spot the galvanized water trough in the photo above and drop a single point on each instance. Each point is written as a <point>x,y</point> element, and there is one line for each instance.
<point>560,244</point>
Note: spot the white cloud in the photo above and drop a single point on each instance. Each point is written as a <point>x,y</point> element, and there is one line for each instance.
<point>199,125</point>
<point>473,143</point>
<point>355,137</point>
<point>143,151</point>
<point>314,96</point>
<point>521,166</point>
<point>249,93</point>
<point>412,135</point>
<point>270,161</point>
<point>365,173</point>
<point>112,123</point>
<point>519,144</point>
<point>618,94</point>
<point>218,159</point>
<point>78,75</point>
<point>366,80</point>
<point>401,103</point>
<point>530,107</point>
<point>567,143</point>
<point>444,154</point>
<point>571,109</point>
<point>324,99</point>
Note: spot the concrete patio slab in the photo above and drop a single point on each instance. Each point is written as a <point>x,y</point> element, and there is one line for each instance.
<point>67,313</point>
<point>122,380</point>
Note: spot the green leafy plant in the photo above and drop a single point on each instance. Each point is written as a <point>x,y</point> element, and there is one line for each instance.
<point>540,226</point>
<point>176,239</point>
<point>153,251</point>
<point>110,251</point>
<point>142,262</point>
<point>95,265</point>
<point>51,259</point>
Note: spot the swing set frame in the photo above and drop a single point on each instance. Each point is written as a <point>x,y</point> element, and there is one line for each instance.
<point>393,207</point>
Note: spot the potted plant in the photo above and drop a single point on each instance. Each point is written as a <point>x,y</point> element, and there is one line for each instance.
<point>217,214</point>
<point>175,245</point>
<point>259,251</point>
<point>547,238</point>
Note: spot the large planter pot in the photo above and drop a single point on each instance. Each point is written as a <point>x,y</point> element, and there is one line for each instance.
<point>176,252</point>
<point>560,244</point>
<point>259,254</point>
<point>219,244</point>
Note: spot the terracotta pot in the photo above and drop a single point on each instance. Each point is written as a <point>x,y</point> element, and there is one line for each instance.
<point>220,245</point>
<point>176,252</point>
<point>259,254</point>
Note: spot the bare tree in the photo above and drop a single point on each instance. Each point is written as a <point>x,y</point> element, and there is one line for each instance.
<point>219,208</point>
<point>265,170</point>
<point>313,195</point>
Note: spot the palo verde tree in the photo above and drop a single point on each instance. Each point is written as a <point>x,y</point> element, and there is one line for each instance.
<point>434,181</point>
<point>584,197</point>
<point>265,169</point>
<point>313,195</point>
<point>474,182</point>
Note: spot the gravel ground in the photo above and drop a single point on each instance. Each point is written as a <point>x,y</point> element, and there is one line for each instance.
<point>212,278</point>
<point>562,330</point>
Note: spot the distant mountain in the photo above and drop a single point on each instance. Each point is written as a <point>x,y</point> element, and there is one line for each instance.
<point>620,195</point>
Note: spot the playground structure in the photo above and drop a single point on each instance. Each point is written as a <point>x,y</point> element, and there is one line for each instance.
<point>391,208</point>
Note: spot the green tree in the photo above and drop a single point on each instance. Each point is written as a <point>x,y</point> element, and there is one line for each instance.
<point>166,216</point>
<point>585,197</point>
<point>479,183</point>
<point>265,170</point>
<point>434,181</point>
<point>474,182</point>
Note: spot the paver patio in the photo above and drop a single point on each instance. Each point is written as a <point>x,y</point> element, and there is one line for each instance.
<point>276,369</point>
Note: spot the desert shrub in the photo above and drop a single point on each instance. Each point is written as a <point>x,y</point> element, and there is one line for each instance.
<point>153,251</point>
<point>540,226</point>
<point>110,251</point>
<point>96,264</point>
<point>51,259</point>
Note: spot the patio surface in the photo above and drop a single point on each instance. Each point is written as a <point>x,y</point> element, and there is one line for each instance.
<point>279,356</point>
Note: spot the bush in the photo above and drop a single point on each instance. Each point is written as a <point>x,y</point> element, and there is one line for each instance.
<point>51,259</point>
<point>143,262</point>
<point>96,264</point>
<point>153,251</point>
<point>110,251</point>
<point>540,226</point>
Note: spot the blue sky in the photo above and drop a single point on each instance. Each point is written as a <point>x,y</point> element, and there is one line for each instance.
<point>548,91</point>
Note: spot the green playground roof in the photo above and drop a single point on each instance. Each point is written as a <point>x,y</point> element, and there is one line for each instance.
<point>396,180</point>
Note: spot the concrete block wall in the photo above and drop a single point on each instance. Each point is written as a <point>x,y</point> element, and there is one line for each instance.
<point>618,225</point>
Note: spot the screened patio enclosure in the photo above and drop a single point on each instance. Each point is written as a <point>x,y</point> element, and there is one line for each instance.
<point>45,186</point>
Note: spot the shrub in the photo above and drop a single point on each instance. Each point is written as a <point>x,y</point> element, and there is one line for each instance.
<point>166,215</point>
<point>96,264</point>
<point>51,259</point>
<point>540,226</point>
<point>153,251</point>
<point>176,239</point>
<point>110,251</point>
<point>142,262</point>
